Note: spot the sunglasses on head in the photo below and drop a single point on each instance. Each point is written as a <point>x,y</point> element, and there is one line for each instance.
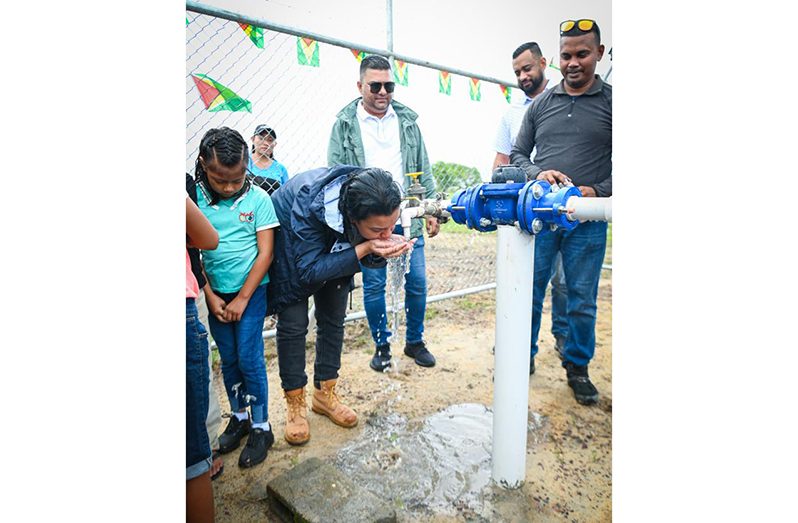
<point>376,87</point>
<point>576,26</point>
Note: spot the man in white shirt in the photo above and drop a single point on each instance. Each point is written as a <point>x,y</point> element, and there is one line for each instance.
<point>529,67</point>
<point>374,130</point>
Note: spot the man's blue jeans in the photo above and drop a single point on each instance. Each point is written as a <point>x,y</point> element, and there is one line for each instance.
<point>415,297</point>
<point>559,300</point>
<point>582,256</point>
<point>241,349</point>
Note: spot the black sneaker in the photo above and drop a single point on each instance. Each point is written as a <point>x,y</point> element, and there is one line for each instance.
<point>231,437</point>
<point>382,358</point>
<point>419,352</point>
<point>584,391</point>
<point>258,444</point>
<point>559,346</point>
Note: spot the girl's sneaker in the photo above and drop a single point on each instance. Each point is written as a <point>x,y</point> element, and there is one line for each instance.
<point>257,448</point>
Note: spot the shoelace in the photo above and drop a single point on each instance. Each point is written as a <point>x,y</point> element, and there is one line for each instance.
<point>332,397</point>
<point>295,404</point>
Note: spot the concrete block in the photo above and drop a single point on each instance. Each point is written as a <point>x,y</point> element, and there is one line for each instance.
<point>315,492</point>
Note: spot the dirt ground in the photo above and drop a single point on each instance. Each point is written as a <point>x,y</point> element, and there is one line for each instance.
<point>569,470</point>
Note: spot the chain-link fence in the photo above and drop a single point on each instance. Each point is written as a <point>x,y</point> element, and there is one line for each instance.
<point>265,80</point>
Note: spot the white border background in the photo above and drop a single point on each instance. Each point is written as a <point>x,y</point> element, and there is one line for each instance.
<point>703,258</point>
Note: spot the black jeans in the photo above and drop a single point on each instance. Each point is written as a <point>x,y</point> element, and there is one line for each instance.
<point>292,328</point>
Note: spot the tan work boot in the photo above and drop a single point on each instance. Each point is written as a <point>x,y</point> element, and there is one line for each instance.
<point>297,430</point>
<point>326,403</point>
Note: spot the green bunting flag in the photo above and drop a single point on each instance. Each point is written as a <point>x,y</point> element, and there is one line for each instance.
<point>475,90</point>
<point>217,97</point>
<point>445,82</point>
<point>307,51</point>
<point>359,55</point>
<point>400,72</point>
<point>551,64</point>
<point>506,92</point>
<point>254,33</point>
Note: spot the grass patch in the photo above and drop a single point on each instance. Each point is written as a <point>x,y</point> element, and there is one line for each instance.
<point>452,227</point>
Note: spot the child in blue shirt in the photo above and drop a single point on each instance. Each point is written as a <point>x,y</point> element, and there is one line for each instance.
<point>237,272</point>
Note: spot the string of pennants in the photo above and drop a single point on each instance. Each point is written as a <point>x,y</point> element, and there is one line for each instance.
<point>218,97</point>
<point>400,76</point>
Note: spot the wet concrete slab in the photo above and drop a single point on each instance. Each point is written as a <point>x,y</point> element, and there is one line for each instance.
<point>314,491</point>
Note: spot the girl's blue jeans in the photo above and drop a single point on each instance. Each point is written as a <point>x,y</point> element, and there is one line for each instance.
<point>241,349</point>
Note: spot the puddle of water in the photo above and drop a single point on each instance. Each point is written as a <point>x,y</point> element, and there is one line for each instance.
<point>440,465</point>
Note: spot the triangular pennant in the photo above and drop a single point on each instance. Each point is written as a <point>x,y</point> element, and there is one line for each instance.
<point>359,55</point>
<point>254,33</point>
<point>445,82</point>
<point>506,92</point>
<point>475,90</point>
<point>307,51</point>
<point>400,72</point>
<point>218,97</point>
<point>551,64</point>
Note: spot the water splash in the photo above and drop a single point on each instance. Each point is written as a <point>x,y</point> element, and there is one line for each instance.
<point>440,465</point>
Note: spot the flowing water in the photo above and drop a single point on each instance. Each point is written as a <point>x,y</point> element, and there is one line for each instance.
<point>396,270</point>
<point>437,466</point>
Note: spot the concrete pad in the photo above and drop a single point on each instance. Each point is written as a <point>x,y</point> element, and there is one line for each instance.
<point>315,492</point>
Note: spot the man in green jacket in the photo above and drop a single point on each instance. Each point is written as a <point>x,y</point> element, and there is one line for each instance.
<point>376,131</point>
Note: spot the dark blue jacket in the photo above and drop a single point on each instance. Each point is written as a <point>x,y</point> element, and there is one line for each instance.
<point>309,231</point>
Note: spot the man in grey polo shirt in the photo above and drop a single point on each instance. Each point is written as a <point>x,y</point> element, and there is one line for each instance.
<point>571,127</point>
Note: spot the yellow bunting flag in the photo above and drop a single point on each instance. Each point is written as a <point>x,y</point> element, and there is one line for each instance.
<point>254,33</point>
<point>445,82</point>
<point>475,90</point>
<point>506,92</point>
<point>307,51</point>
<point>400,72</point>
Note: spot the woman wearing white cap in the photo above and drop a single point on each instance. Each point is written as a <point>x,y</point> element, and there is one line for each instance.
<point>262,163</point>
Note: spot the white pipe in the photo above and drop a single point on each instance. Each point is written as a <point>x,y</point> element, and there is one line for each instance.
<point>408,213</point>
<point>514,274</point>
<point>427,207</point>
<point>589,209</point>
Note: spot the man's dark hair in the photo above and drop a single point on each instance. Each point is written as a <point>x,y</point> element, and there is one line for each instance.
<point>596,30</point>
<point>368,192</point>
<point>373,61</point>
<point>227,146</point>
<point>532,46</point>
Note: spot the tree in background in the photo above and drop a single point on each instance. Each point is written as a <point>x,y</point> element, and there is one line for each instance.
<point>451,177</point>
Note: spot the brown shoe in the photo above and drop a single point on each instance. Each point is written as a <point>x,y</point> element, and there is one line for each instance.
<point>297,430</point>
<point>326,403</point>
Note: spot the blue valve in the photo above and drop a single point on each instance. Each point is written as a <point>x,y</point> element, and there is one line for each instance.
<point>532,204</point>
